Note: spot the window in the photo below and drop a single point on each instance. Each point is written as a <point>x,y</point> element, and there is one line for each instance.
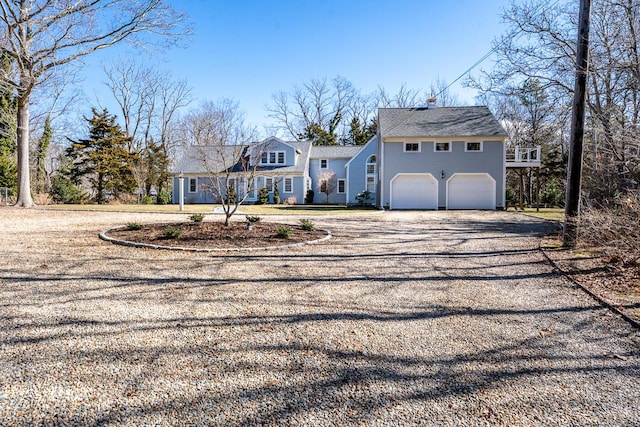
<point>371,174</point>
<point>473,146</point>
<point>273,158</point>
<point>341,186</point>
<point>324,163</point>
<point>411,147</point>
<point>268,182</point>
<point>442,147</point>
<point>193,185</point>
<point>288,185</point>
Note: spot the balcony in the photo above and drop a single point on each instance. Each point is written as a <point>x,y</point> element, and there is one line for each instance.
<point>521,157</point>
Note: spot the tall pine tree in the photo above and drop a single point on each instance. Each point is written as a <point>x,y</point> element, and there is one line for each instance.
<point>102,160</point>
<point>41,184</point>
<point>8,171</point>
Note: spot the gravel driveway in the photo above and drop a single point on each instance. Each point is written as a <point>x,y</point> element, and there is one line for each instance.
<point>403,318</point>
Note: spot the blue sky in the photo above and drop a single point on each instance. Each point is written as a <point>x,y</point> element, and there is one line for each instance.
<point>248,50</point>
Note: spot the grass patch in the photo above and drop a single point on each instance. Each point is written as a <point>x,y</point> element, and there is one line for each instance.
<point>551,214</point>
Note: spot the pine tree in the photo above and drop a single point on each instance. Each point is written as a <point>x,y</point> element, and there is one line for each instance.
<point>8,171</point>
<point>102,159</point>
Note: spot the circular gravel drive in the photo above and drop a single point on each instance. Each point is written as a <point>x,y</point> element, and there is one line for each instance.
<point>403,318</point>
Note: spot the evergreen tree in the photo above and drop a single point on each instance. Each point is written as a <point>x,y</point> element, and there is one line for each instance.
<point>156,163</point>
<point>8,171</point>
<point>102,159</point>
<point>361,133</point>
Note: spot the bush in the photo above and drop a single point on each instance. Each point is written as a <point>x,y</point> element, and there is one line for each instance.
<point>364,197</point>
<point>147,200</point>
<point>171,232</point>
<point>283,231</point>
<point>263,196</point>
<point>231,195</point>
<point>63,190</point>
<point>276,193</point>
<point>614,228</point>
<point>253,218</point>
<point>308,198</point>
<point>197,217</point>
<point>290,200</point>
<point>132,226</point>
<point>307,225</point>
<point>163,197</point>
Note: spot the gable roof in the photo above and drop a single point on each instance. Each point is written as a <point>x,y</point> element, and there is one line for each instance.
<point>438,122</point>
<point>334,151</point>
<point>207,158</point>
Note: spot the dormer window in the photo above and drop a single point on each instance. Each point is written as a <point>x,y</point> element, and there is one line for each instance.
<point>273,158</point>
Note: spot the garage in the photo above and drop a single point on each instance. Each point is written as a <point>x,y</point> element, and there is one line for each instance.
<point>414,191</point>
<point>471,191</point>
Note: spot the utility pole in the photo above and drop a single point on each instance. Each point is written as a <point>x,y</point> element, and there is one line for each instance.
<point>574,178</point>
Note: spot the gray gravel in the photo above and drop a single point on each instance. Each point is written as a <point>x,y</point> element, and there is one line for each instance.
<point>403,318</point>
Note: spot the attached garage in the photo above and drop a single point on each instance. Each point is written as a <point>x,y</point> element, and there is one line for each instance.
<point>471,191</point>
<point>414,191</point>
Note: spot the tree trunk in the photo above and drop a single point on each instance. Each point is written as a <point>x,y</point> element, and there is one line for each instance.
<point>24,176</point>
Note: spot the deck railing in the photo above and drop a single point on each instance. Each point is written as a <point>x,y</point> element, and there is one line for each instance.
<point>523,156</point>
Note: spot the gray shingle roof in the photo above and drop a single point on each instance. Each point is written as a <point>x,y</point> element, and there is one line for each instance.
<point>334,151</point>
<point>215,159</point>
<point>438,122</point>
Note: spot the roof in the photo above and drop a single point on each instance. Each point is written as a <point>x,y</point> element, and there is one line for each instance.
<point>438,122</point>
<point>209,158</point>
<point>334,151</point>
<point>303,147</point>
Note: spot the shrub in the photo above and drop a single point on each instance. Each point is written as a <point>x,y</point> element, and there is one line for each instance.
<point>307,225</point>
<point>231,195</point>
<point>63,190</point>
<point>290,200</point>
<point>253,218</point>
<point>309,196</point>
<point>163,197</point>
<point>283,231</point>
<point>171,232</point>
<point>147,200</point>
<point>197,217</point>
<point>132,226</point>
<point>263,196</point>
<point>364,197</point>
<point>276,193</point>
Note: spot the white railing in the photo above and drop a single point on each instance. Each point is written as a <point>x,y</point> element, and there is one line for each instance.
<point>523,156</point>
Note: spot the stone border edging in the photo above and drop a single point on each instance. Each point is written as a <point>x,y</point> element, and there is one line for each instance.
<point>103,236</point>
<point>606,304</point>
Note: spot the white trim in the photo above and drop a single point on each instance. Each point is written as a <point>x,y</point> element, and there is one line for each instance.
<point>373,138</point>
<point>492,180</point>
<point>466,145</point>
<point>284,184</point>
<point>276,153</point>
<point>344,186</point>
<point>189,185</point>
<point>320,163</point>
<point>435,145</point>
<point>404,147</point>
<point>429,175</point>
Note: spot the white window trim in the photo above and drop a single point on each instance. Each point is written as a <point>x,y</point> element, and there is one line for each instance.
<point>284,184</point>
<point>368,175</point>
<point>466,146</point>
<point>404,147</point>
<point>435,145</point>
<point>320,163</point>
<point>269,187</point>
<point>344,186</point>
<point>276,153</point>
<point>189,185</point>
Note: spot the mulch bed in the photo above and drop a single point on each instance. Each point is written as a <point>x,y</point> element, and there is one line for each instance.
<point>215,235</point>
<point>605,275</point>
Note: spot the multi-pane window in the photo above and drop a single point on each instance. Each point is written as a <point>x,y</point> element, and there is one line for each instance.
<point>324,163</point>
<point>288,185</point>
<point>193,185</point>
<point>273,158</point>
<point>371,184</point>
<point>341,186</point>
<point>371,174</point>
<point>268,182</point>
<point>412,147</point>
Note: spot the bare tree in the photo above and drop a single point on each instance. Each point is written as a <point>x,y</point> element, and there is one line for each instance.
<point>221,142</point>
<point>327,183</point>
<point>41,36</point>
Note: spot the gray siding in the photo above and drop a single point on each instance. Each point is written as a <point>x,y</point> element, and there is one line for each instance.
<point>357,173</point>
<point>336,166</point>
<point>490,161</point>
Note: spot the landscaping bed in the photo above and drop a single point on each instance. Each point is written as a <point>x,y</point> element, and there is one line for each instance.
<point>215,235</point>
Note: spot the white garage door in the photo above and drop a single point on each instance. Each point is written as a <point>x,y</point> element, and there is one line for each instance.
<point>414,191</point>
<point>471,191</point>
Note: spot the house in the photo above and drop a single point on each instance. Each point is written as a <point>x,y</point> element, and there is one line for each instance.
<point>421,158</point>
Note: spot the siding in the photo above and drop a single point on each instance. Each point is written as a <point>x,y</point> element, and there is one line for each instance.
<point>490,160</point>
<point>336,166</point>
<point>357,173</point>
